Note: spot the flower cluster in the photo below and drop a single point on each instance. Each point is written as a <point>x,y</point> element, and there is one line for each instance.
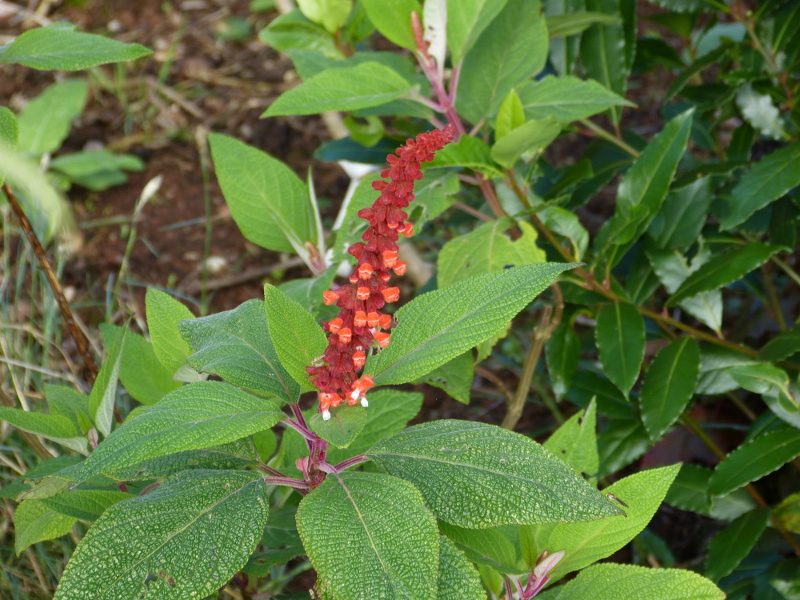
<point>360,324</point>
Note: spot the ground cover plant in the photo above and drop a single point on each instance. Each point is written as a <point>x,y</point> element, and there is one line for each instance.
<point>659,339</point>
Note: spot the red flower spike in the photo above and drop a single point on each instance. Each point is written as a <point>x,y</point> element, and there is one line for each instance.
<point>335,374</point>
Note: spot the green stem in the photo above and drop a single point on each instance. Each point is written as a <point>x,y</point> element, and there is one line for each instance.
<point>610,137</point>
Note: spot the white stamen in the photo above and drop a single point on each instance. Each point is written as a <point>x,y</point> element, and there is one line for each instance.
<point>326,415</point>
<point>364,402</point>
<point>355,394</point>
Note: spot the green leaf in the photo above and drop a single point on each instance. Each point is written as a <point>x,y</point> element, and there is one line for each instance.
<point>469,152</point>
<point>164,313</point>
<point>331,14</point>
<point>642,191</point>
<point>586,543</point>
<point>308,291</point>
<point>96,170</point>
<point>562,352</point>
<point>140,371</point>
<point>46,120</point>
<point>293,31</point>
<point>668,385</point>
<point>389,412</point>
<point>573,23</point>
<point>723,270</point>
<point>690,492</point>
<point>733,543</point>
<point>788,512</point>
<point>458,578</point>
<point>603,52</point>
<point>682,215</point>
<point>35,522</point>
<point>512,48</point>
<point>267,200</point>
<point>527,140</point>
<point>347,89</point>
<point>510,116</point>
<point>567,98</point>
<point>564,222</point>
<point>11,490</point>
<point>466,20</point>
<point>454,377</point>
<point>104,390</point>
<point>769,179</point>
<point>236,345</point>
<point>575,442</point>
<point>621,442</point>
<point>754,459</point>
<point>487,250</point>
<point>620,341</point>
<point>192,417</point>
<point>438,326</point>
<point>477,475</point>
<point>86,505</point>
<point>370,535</point>
<point>492,548</point>
<point>297,337</point>
<point>184,539</point>
<point>9,128</point>
<point>393,19</point>
<point>715,373</point>
<point>341,429</point>
<point>55,427</point>
<point>612,582</point>
<point>48,48</point>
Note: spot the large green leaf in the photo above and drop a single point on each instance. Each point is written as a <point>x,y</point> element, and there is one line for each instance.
<point>512,48</point>
<point>644,187</point>
<point>195,416</point>
<point>236,345</point>
<point>567,98</point>
<point>370,535</point>
<point>267,200</point>
<point>393,19</point>
<point>67,50</point>
<point>164,313</point>
<point>612,582</point>
<point>458,578</point>
<point>36,522</point>
<point>46,120</point>
<point>466,20</point>
<point>575,442</point>
<point>350,88</point>
<point>477,475</point>
<point>487,250</point>
<point>733,543</point>
<point>620,341</point>
<point>438,326</point>
<point>769,179</point>
<point>297,337</point>
<point>185,539</point>
<point>668,385</point>
<point>586,543</point>
<point>603,51</point>
<point>722,270</point>
<point>755,459</point>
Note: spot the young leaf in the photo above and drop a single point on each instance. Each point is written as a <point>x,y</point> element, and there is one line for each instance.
<point>331,14</point>
<point>575,442</point>
<point>140,371</point>
<point>562,351</point>
<point>36,522</point>
<point>469,152</point>
<point>297,337</point>
<point>511,49</point>
<point>755,459</point>
<point>293,31</point>
<point>370,535</point>
<point>192,417</point>
<point>487,250</point>
<point>393,19</point>
<point>466,20</point>
<point>620,342</point>
<point>477,475</point>
<point>164,313</point>
<point>769,179</point>
<point>184,539</point>
<point>528,139</point>
<point>236,345</point>
<point>723,270</point>
<point>612,582</point>
<point>586,543</point>
<point>438,326</point>
<point>341,429</point>
<point>510,116</point>
<point>351,88</point>
<point>668,385</point>
<point>567,98</point>
<point>263,195</point>
<point>46,120</point>
<point>58,428</point>
<point>48,48</point>
<point>733,543</point>
<point>458,578</point>
<point>104,390</point>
